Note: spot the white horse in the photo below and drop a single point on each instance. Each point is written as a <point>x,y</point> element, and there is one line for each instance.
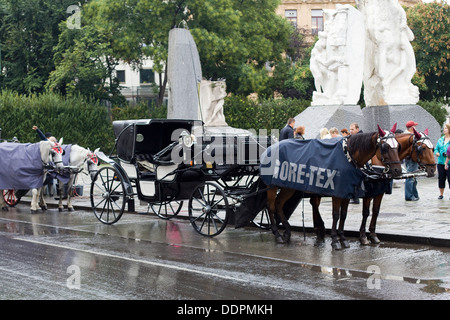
<point>50,152</point>
<point>79,158</point>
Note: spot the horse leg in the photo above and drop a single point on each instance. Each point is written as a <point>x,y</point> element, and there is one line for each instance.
<point>282,198</point>
<point>60,195</point>
<point>365,214</point>
<point>34,200</point>
<point>336,205</point>
<point>343,217</point>
<point>373,222</point>
<point>42,203</point>
<point>2,202</point>
<point>271,198</point>
<point>69,192</point>
<point>319,225</point>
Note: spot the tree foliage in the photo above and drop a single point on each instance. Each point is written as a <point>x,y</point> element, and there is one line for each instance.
<point>28,33</point>
<point>234,38</point>
<point>430,23</point>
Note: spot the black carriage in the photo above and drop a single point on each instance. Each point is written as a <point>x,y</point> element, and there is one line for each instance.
<point>167,162</point>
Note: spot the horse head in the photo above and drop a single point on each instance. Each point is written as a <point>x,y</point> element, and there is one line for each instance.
<point>387,151</point>
<point>52,152</point>
<point>422,152</point>
<point>92,162</point>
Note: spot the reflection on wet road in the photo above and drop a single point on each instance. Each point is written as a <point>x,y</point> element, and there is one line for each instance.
<point>73,256</point>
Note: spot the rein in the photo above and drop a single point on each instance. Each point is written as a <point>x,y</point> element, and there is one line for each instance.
<point>368,170</point>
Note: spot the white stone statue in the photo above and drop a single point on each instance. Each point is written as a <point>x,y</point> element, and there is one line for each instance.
<point>337,58</point>
<point>389,59</point>
<point>212,95</point>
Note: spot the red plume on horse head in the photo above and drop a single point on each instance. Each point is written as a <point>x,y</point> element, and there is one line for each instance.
<point>394,128</point>
<point>426,131</point>
<point>381,132</point>
<point>416,134</point>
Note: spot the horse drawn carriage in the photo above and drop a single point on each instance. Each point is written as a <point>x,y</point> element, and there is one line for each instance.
<point>168,162</point>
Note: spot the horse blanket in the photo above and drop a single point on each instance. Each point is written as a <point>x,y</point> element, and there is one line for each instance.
<point>20,166</point>
<point>316,166</point>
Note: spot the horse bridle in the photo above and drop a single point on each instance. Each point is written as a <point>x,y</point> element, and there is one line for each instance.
<point>385,142</point>
<point>425,140</point>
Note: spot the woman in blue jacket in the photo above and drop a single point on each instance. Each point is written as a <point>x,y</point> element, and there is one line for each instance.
<point>441,152</point>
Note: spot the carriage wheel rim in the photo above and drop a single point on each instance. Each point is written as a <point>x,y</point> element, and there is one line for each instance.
<point>112,190</point>
<point>205,208</point>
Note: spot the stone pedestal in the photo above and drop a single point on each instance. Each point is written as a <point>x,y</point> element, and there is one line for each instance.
<point>386,116</point>
<point>315,118</point>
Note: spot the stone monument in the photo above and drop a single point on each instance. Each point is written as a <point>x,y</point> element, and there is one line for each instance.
<point>184,75</point>
<point>337,62</point>
<point>372,44</point>
<point>389,67</point>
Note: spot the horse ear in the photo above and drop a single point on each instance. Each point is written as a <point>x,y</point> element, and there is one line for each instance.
<point>394,128</point>
<point>416,134</point>
<point>96,150</point>
<point>426,131</point>
<point>61,141</point>
<point>381,132</point>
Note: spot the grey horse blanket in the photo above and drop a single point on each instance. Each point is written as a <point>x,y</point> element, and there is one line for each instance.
<point>20,166</point>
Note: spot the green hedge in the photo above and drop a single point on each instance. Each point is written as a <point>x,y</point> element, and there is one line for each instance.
<point>267,114</point>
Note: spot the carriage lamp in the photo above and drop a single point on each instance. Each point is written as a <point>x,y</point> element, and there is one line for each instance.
<point>188,139</point>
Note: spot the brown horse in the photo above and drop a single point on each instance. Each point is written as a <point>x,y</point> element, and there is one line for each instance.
<point>361,148</point>
<point>418,146</point>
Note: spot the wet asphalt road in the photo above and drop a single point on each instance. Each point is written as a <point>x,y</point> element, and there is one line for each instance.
<point>69,256</point>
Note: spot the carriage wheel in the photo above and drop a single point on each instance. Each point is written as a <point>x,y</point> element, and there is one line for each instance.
<point>108,196</point>
<point>166,210</point>
<point>208,209</point>
<point>262,219</point>
<point>10,197</point>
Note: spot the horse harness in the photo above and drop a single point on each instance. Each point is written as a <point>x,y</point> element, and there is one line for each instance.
<point>383,142</point>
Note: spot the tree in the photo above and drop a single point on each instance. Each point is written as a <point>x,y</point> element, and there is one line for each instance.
<point>28,33</point>
<point>85,65</point>
<point>430,23</point>
<point>235,38</point>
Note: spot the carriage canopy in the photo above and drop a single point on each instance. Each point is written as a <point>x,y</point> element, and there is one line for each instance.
<point>147,136</point>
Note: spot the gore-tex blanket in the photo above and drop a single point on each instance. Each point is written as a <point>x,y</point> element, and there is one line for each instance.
<point>316,166</point>
<point>20,166</point>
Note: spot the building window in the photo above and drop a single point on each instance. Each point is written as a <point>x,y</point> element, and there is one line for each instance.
<point>147,76</point>
<point>120,74</point>
<point>316,21</point>
<point>291,15</point>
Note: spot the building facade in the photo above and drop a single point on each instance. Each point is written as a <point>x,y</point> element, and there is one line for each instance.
<point>307,15</point>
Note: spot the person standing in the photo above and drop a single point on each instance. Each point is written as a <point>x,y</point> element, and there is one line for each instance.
<point>299,132</point>
<point>354,128</point>
<point>411,193</point>
<point>441,152</point>
<point>288,131</point>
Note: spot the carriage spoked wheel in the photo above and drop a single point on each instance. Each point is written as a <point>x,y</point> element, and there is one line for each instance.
<point>208,209</point>
<point>262,219</point>
<point>10,197</point>
<point>167,209</point>
<point>108,196</point>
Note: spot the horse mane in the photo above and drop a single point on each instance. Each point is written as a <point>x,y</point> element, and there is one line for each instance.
<point>361,142</point>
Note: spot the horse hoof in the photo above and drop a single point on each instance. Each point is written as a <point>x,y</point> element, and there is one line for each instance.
<point>364,241</point>
<point>71,209</point>
<point>60,209</point>
<point>336,245</point>
<point>44,208</point>
<point>345,243</point>
<point>33,211</point>
<point>375,240</point>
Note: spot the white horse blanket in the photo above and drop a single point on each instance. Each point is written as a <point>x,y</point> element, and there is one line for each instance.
<point>20,166</point>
